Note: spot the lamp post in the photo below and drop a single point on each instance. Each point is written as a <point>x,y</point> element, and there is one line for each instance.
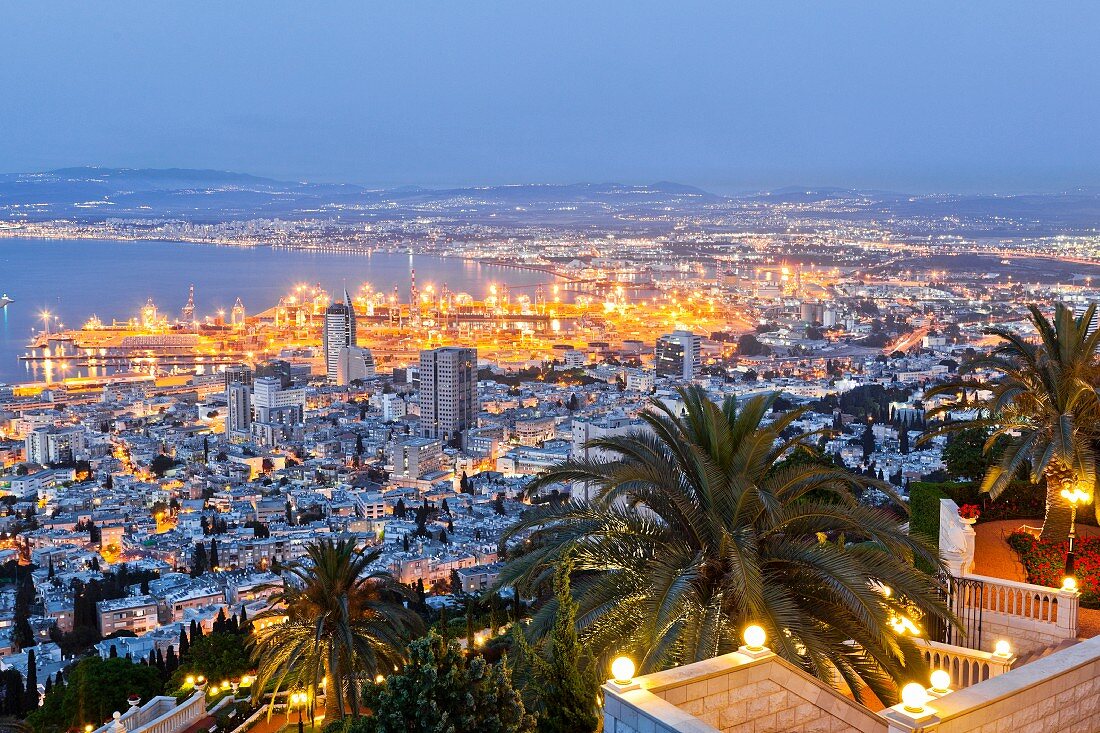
<point>298,700</point>
<point>1074,497</point>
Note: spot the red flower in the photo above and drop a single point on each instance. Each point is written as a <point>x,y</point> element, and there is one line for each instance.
<point>969,511</point>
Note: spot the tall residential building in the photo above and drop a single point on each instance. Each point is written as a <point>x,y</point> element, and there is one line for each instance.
<point>273,404</point>
<point>678,355</point>
<point>239,400</point>
<point>276,368</point>
<point>238,373</point>
<point>339,333</point>
<point>49,444</point>
<point>448,396</point>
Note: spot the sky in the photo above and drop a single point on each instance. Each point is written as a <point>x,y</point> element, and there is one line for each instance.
<point>730,96</point>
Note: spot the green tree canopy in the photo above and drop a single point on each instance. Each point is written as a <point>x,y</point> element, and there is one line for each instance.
<point>439,690</point>
<point>95,689</point>
<point>695,533</point>
<point>221,655</point>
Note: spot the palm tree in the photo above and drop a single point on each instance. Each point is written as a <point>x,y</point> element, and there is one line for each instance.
<point>700,528</point>
<point>343,625</point>
<point>1043,407</point>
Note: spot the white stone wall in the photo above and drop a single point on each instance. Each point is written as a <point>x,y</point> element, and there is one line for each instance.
<point>736,694</point>
<point>1023,635</point>
<point>1059,693</point>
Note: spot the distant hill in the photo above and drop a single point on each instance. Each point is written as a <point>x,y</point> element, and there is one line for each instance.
<point>92,194</point>
<point>120,192</point>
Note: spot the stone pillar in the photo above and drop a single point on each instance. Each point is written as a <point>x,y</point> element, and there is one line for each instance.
<point>1068,603</point>
<point>956,540</point>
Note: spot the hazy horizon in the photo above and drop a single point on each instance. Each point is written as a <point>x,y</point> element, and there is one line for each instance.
<point>983,97</point>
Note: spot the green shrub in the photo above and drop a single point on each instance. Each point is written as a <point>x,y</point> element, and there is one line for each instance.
<point>924,514</point>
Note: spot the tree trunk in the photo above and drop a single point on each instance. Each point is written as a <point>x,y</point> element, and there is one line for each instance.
<point>1057,520</point>
<point>334,700</point>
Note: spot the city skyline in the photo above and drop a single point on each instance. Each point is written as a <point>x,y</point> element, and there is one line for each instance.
<point>987,97</point>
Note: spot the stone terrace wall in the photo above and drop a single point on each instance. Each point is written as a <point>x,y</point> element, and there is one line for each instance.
<point>1057,693</point>
<point>736,694</point>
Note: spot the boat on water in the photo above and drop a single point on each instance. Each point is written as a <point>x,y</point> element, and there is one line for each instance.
<point>5,301</point>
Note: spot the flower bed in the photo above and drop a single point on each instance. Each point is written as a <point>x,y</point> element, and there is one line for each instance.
<point>1044,563</point>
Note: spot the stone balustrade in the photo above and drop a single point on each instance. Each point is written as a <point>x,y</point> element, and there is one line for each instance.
<point>158,715</point>
<point>966,666</point>
<point>1053,694</point>
<point>1030,617</point>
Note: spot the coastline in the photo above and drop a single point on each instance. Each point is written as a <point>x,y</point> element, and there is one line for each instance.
<point>19,233</point>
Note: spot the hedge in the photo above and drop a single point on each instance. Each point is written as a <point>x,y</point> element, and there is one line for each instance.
<point>924,514</point>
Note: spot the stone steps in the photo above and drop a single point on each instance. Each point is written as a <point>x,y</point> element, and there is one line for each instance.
<point>1044,652</point>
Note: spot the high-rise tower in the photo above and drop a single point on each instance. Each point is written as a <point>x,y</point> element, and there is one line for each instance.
<point>448,396</point>
<point>339,332</point>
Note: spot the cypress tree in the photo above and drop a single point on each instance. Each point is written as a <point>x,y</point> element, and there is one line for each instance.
<point>214,553</point>
<point>469,627</point>
<point>199,561</point>
<point>185,645</point>
<point>565,676</point>
<point>31,692</point>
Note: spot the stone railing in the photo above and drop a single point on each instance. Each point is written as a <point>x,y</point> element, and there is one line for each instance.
<point>966,666</point>
<point>1055,693</point>
<point>159,715</point>
<point>1028,616</point>
<point>757,691</point>
<point>1035,602</point>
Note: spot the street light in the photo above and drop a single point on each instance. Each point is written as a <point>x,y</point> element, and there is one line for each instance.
<point>1074,497</point>
<point>298,700</point>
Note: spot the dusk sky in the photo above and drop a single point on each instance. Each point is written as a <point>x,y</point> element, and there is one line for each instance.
<point>730,96</point>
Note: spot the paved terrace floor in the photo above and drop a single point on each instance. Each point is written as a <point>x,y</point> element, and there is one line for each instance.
<point>993,557</point>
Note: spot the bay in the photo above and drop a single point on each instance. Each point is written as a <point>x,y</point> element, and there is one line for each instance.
<point>76,278</point>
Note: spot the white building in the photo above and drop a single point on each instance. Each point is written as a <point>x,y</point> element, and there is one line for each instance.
<point>354,363</point>
<point>678,355</point>
<point>50,444</point>
<point>574,359</point>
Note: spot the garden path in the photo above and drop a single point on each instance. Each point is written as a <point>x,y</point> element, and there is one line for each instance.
<point>993,557</point>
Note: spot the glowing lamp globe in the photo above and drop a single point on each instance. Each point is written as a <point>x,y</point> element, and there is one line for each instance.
<point>941,680</point>
<point>379,679</point>
<point>1069,583</point>
<point>914,697</point>
<point>1001,649</point>
<point>622,670</point>
<point>755,637</point>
